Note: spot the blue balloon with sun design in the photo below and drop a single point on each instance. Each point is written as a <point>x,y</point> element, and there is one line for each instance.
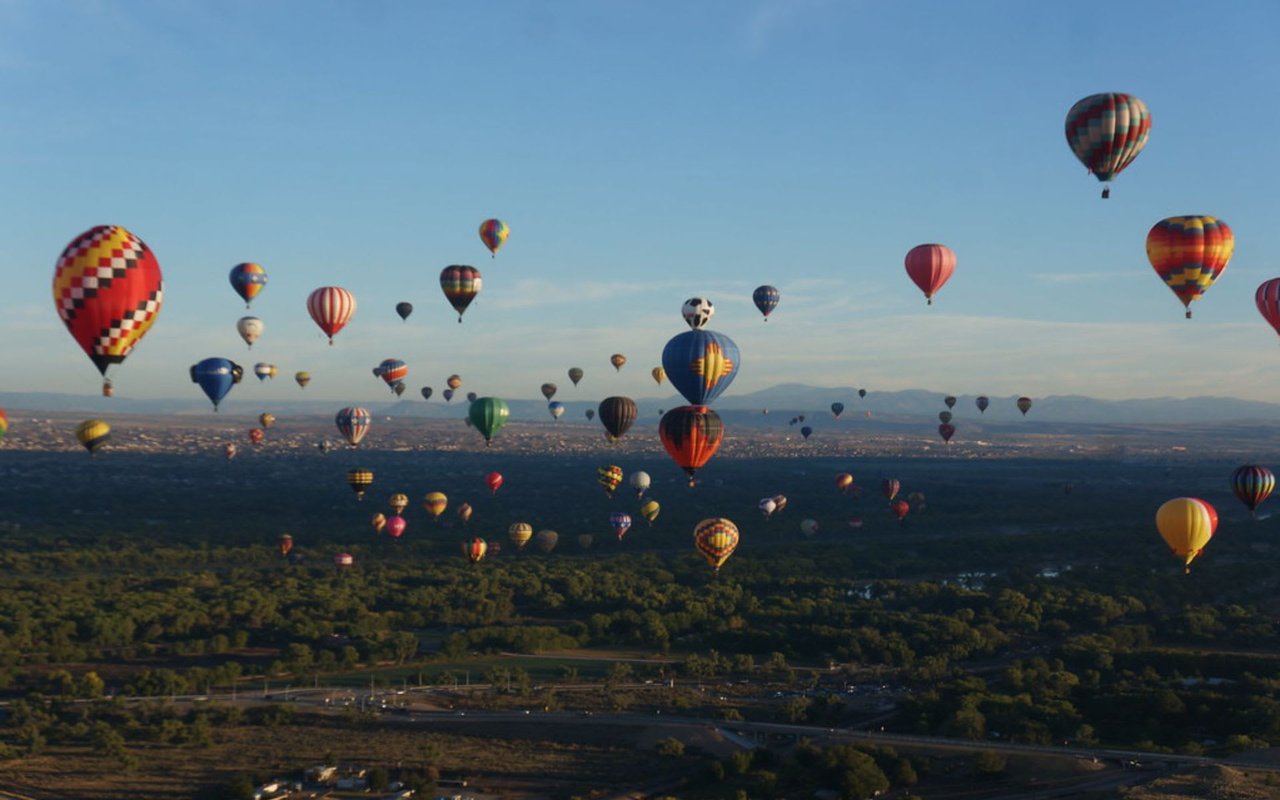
<point>701,364</point>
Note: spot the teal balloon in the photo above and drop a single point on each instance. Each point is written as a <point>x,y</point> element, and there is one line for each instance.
<point>488,415</point>
<point>701,364</point>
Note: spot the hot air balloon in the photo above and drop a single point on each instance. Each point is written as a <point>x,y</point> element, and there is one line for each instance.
<point>353,423</point>
<point>249,328</point>
<point>1267,299</point>
<point>464,513</point>
<point>982,402</point>
<point>284,543</point>
<point>494,481</point>
<point>620,521</point>
<point>1024,405</point>
<point>265,371</point>
<point>949,401</point>
<point>359,480</point>
<point>248,280</point>
<point>93,434</point>
<point>396,526</point>
<point>1106,132</point>
<point>471,397</point>
<point>1189,253</point>
<point>715,539</point>
<point>1253,485</point>
<point>392,371</point>
<point>701,365</point>
<point>617,360</point>
<point>809,527</point>
<point>548,390</point>
<point>575,375</point>
<point>697,312</point>
<point>216,376</point>
<point>900,509</point>
<point>426,392</point>
<point>494,233</point>
<point>398,387</point>
<point>108,289</point>
<point>556,409</point>
<point>302,378</point>
<point>474,549</point>
<point>889,488</point>
<point>520,533</point>
<point>435,503</point>
<point>404,310</point>
<point>324,445</point>
<point>836,410</point>
<point>230,450</point>
<point>659,374</point>
<point>767,506</point>
<point>650,511</point>
<point>779,503</point>
<point>4,423</point>
<point>766,299</point>
<point>806,431</point>
<point>448,395</point>
<point>546,540</point>
<point>1186,524</point>
<point>930,265</point>
<point>343,560</point>
<point>691,436</point>
<point>946,431</point>
<point>398,502</point>
<point>460,285</point>
<point>639,481</point>
<point>916,499</point>
<point>256,435</point>
<point>843,481</point>
<point>591,414</point>
<point>454,382</point>
<point>617,414</point>
<point>331,307</point>
<point>488,415</point>
<point>609,477</point>
<point>379,522</point>
<point>944,417</point>
<point>862,393</point>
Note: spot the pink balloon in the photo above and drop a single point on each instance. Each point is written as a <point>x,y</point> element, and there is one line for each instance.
<point>930,265</point>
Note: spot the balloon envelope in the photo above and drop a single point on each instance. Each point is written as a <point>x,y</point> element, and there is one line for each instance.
<point>107,289</point>
<point>930,266</point>
<point>617,414</point>
<point>1186,524</point>
<point>716,539</point>
<point>691,436</point>
<point>494,233</point>
<point>331,307</point>
<point>1189,253</point>
<point>1253,485</point>
<point>701,365</point>
<point>404,310</point>
<point>248,280</point>
<point>766,299</point>
<point>215,377</point>
<point>353,423</point>
<point>1107,131</point>
<point>488,415</point>
<point>460,284</point>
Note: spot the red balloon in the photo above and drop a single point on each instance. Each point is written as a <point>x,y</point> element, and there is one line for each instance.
<point>1268,300</point>
<point>899,509</point>
<point>692,435</point>
<point>930,265</point>
<point>946,431</point>
<point>494,480</point>
<point>331,307</point>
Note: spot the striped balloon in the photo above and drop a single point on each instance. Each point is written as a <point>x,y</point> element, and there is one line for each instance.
<point>1106,132</point>
<point>460,285</point>
<point>353,423</point>
<point>248,280</point>
<point>4,423</point>
<point>1268,300</point>
<point>1189,253</point>
<point>331,307</point>
<point>1253,485</point>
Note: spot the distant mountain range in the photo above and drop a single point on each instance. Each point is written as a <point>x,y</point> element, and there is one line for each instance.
<point>787,400</point>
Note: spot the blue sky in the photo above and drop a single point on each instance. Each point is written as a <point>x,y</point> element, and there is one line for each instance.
<point>643,152</point>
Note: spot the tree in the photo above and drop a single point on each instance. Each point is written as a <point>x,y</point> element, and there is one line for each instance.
<point>670,747</point>
<point>989,762</point>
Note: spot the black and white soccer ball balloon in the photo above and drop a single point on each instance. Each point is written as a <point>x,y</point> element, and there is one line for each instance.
<point>697,311</point>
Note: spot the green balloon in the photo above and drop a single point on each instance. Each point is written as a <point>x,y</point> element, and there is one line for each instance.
<point>488,415</point>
